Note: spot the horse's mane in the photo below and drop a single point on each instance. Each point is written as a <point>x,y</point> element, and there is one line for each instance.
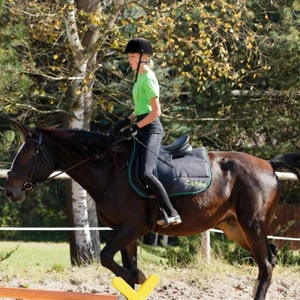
<point>81,142</point>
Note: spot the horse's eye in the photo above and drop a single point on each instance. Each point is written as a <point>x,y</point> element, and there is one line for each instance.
<point>25,153</point>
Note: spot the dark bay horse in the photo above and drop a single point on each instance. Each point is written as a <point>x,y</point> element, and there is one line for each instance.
<point>241,200</point>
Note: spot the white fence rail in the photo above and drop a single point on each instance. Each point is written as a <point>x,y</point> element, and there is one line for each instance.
<point>280,175</point>
<point>3,174</point>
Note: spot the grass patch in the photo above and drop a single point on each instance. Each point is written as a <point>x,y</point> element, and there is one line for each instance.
<point>35,254</point>
<point>53,256</point>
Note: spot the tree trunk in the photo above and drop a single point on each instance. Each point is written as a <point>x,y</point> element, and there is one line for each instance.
<point>79,98</point>
<point>82,252</point>
<point>93,222</point>
<point>84,47</point>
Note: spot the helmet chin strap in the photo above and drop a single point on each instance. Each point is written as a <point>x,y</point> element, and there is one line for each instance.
<point>138,67</point>
<point>139,64</point>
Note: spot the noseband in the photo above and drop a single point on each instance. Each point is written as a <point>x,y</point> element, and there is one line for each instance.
<point>28,185</point>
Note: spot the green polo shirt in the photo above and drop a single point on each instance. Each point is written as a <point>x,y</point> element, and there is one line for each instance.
<point>145,88</point>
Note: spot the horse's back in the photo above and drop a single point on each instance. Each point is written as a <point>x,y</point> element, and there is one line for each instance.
<point>240,163</point>
<point>247,175</point>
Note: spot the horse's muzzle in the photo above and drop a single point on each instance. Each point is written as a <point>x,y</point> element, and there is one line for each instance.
<point>14,195</point>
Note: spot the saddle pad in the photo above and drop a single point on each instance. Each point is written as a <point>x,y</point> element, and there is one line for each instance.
<point>187,175</point>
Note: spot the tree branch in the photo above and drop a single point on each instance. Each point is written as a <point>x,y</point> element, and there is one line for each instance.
<point>98,44</point>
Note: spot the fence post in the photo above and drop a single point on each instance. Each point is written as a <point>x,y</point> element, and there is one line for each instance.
<point>205,245</point>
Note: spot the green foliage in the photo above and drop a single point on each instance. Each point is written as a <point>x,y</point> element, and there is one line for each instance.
<point>14,84</point>
<point>234,254</point>
<point>45,207</point>
<point>183,254</point>
<point>59,268</point>
<point>202,53</point>
<point>287,257</point>
<point>187,250</point>
<point>230,252</point>
<point>180,255</point>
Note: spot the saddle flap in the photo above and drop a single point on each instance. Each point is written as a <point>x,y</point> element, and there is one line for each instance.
<point>181,175</point>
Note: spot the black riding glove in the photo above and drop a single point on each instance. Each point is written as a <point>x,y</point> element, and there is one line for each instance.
<point>119,125</point>
<point>128,132</point>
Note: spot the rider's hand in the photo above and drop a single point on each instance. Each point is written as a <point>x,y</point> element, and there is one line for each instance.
<point>119,125</point>
<point>128,132</point>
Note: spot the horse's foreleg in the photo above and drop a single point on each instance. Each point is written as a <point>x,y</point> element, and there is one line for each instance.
<point>129,259</point>
<point>124,240</point>
<point>274,250</point>
<point>129,256</point>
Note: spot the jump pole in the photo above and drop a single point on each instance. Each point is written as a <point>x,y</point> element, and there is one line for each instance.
<point>121,286</point>
<point>22,293</point>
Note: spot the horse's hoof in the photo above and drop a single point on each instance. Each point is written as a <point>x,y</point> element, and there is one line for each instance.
<point>140,277</point>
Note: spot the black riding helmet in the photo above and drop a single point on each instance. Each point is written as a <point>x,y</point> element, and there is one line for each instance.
<point>139,45</point>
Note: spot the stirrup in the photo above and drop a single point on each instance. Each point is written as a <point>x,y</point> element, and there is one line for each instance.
<point>165,222</point>
<point>175,220</point>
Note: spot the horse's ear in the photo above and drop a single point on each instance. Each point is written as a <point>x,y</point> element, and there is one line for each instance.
<point>25,130</point>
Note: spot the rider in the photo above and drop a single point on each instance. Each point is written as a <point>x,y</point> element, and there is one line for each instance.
<point>145,122</point>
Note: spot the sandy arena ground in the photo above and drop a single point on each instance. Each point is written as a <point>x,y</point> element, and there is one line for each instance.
<point>174,284</point>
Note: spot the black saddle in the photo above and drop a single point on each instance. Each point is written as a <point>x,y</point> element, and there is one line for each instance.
<point>180,168</point>
<point>180,147</point>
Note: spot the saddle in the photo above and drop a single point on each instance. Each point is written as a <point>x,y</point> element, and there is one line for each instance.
<point>181,169</point>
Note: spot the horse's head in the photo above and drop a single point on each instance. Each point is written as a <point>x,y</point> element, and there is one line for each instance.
<point>30,165</point>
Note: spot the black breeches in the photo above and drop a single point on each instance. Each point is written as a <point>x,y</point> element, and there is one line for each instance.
<point>151,136</point>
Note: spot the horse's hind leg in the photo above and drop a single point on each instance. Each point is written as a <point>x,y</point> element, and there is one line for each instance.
<point>255,234</point>
<point>123,239</point>
<point>261,250</point>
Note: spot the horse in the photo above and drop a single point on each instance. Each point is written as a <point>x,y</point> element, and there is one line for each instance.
<point>241,200</point>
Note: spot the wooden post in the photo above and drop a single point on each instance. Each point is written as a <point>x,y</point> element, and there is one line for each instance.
<point>165,240</point>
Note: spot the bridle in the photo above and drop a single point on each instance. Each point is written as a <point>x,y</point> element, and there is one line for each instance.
<point>28,185</point>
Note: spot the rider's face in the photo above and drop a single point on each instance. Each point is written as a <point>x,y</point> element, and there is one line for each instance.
<point>133,59</point>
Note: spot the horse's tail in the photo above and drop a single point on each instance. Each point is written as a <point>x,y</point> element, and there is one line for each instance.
<point>288,161</point>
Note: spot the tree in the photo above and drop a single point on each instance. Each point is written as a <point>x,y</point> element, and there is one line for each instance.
<point>85,36</point>
<point>80,39</point>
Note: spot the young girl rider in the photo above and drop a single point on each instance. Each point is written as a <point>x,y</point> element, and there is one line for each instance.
<point>148,128</point>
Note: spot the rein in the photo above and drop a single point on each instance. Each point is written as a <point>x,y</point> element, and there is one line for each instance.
<point>71,168</point>
<point>28,185</point>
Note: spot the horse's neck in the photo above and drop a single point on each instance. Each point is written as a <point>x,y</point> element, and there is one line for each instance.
<point>93,173</point>
<point>89,172</point>
<point>90,175</point>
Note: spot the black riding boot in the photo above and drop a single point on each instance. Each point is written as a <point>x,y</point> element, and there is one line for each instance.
<point>172,216</point>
